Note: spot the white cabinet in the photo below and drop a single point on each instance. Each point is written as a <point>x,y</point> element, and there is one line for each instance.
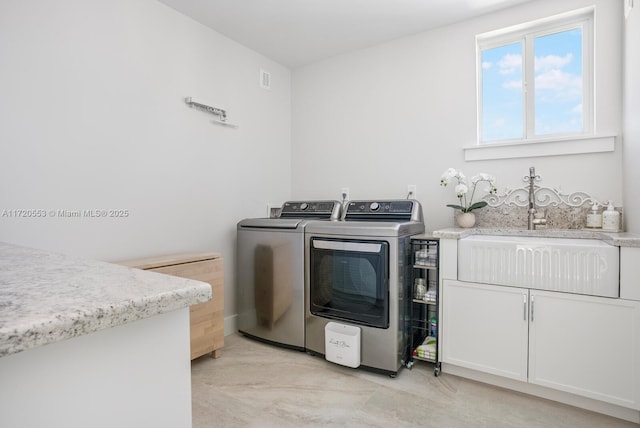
<point>586,345</point>
<point>484,327</point>
<point>589,346</point>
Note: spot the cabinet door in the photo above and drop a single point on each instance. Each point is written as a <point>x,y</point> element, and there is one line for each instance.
<point>585,345</point>
<point>484,327</point>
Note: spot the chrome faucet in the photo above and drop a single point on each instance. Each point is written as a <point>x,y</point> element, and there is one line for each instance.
<point>534,219</point>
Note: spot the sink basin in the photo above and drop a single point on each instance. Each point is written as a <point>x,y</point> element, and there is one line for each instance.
<point>582,266</point>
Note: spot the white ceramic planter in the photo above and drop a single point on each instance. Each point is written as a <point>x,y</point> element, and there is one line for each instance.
<point>466,220</point>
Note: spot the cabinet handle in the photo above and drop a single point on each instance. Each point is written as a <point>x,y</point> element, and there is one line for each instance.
<point>524,307</point>
<point>532,304</point>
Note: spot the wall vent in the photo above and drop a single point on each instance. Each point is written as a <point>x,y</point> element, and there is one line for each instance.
<point>265,79</point>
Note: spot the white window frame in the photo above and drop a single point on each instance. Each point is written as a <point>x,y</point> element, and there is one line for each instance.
<point>549,144</point>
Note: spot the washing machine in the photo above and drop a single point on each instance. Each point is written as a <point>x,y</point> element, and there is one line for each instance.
<point>358,275</point>
<point>270,272</point>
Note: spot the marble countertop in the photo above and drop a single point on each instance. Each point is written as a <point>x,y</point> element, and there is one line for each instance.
<point>620,239</point>
<point>47,297</point>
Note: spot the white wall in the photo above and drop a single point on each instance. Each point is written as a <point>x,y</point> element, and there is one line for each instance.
<point>92,117</point>
<point>631,113</point>
<point>400,113</point>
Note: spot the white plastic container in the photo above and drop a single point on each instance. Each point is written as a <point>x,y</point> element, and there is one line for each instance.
<point>611,219</point>
<point>342,344</point>
<point>594,218</point>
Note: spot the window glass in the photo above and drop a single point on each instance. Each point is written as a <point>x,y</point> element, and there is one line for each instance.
<point>502,95</point>
<point>558,83</point>
<point>535,80</point>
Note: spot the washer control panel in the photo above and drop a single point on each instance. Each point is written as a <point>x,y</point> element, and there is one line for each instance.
<point>380,210</point>
<point>381,207</point>
<point>319,209</point>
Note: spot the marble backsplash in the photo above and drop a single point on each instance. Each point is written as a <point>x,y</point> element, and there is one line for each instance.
<point>558,217</point>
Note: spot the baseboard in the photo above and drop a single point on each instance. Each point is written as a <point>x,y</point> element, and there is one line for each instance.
<point>231,325</point>
<point>613,410</point>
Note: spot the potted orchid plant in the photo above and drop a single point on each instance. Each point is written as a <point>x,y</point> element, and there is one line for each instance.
<point>462,188</point>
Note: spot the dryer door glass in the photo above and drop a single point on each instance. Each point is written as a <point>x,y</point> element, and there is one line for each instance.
<point>349,280</point>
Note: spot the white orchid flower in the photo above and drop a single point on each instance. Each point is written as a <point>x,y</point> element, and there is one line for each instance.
<point>483,177</point>
<point>491,189</point>
<point>447,176</point>
<point>461,190</point>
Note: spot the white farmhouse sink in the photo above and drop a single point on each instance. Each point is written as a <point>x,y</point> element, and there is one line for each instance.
<point>583,266</point>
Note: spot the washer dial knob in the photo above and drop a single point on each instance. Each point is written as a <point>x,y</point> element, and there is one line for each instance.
<point>374,206</point>
<point>304,206</point>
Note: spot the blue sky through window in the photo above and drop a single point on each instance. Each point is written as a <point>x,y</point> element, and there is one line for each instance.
<point>558,74</point>
<point>558,87</point>
<point>502,95</point>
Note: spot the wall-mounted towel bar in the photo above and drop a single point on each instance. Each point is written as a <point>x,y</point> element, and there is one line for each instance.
<point>222,114</point>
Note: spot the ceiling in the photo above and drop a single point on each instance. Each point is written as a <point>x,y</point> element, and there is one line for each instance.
<point>295,33</point>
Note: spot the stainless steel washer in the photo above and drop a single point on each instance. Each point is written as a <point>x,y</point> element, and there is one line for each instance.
<point>358,274</point>
<point>270,272</point>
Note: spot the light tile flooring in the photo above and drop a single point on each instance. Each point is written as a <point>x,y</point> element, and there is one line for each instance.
<point>259,385</point>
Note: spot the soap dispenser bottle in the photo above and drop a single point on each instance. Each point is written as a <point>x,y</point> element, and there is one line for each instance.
<point>594,218</point>
<point>611,218</point>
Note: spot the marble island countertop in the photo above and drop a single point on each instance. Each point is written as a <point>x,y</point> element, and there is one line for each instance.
<point>47,297</point>
<point>620,239</point>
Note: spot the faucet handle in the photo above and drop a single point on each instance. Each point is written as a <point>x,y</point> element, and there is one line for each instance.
<point>541,215</point>
<point>539,219</point>
<point>532,176</point>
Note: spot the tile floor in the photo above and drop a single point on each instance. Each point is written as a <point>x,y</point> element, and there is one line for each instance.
<point>258,385</point>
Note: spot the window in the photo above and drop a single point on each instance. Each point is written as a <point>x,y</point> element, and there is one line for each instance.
<point>535,80</point>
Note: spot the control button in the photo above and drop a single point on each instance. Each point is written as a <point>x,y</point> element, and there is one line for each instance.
<point>374,206</point>
<point>304,206</point>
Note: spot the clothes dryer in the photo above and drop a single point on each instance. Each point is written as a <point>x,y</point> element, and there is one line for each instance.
<point>358,273</point>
